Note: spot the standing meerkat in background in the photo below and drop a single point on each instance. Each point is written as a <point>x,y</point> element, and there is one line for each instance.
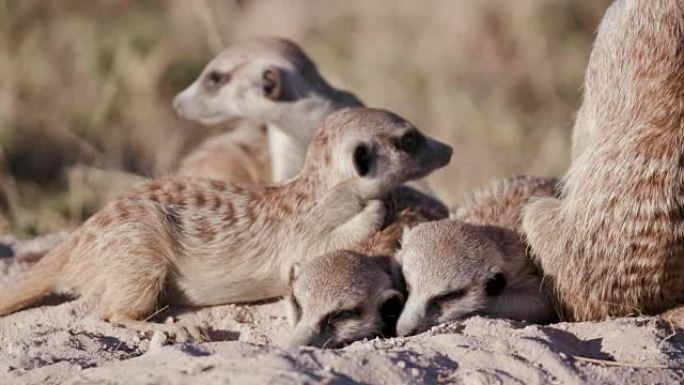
<point>198,242</point>
<point>271,80</point>
<point>477,263</point>
<point>613,244</point>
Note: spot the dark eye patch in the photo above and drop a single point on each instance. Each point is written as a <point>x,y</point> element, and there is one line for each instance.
<point>440,300</point>
<point>339,316</point>
<point>410,142</point>
<point>216,79</point>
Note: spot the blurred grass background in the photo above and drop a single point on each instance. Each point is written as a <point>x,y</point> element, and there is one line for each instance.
<point>91,82</point>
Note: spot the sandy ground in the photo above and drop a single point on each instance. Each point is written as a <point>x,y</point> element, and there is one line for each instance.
<point>64,342</point>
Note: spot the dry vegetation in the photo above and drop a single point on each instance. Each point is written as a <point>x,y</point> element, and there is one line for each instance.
<point>90,82</point>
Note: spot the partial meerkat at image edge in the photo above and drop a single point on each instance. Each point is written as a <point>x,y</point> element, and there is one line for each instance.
<point>201,243</point>
<point>613,244</point>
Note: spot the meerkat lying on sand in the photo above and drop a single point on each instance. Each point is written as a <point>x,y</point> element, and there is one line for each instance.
<point>366,279</point>
<point>342,297</point>
<point>476,264</point>
<point>613,244</point>
<point>323,291</point>
<point>200,242</point>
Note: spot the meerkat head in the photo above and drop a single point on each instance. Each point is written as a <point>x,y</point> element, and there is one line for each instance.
<point>343,296</point>
<point>258,78</point>
<point>451,270</point>
<point>378,148</point>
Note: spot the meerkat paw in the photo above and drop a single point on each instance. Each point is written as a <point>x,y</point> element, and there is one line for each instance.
<point>175,331</point>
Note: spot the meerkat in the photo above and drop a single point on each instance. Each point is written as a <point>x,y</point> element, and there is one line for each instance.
<point>613,243</point>
<point>475,263</point>
<point>343,296</point>
<point>366,279</point>
<point>501,203</point>
<point>271,80</point>
<point>327,288</point>
<point>195,242</point>
<point>239,156</point>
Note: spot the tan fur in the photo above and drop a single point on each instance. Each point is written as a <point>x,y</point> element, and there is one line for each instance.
<point>501,203</point>
<point>273,81</point>
<point>367,278</point>
<point>613,244</point>
<point>476,264</point>
<point>239,156</point>
<point>342,297</point>
<point>197,242</point>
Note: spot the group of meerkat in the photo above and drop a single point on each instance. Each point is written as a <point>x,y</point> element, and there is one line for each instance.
<point>310,199</point>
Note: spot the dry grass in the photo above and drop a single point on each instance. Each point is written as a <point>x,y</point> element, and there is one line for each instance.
<point>91,81</point>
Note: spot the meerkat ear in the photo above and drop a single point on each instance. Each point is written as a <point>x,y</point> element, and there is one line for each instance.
<point>495,285</point>
<point>363,159</point>
<point>273,84</point>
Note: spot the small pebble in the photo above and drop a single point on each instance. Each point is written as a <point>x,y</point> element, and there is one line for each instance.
<point>401,364</point>
<point>159,339</point>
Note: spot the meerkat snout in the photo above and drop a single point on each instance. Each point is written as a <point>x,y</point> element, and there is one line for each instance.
<point>342,297</point>
<point>454,269</point>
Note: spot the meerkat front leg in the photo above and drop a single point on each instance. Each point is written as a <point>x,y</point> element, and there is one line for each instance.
<point>541,227</point>
<point>358,228</point>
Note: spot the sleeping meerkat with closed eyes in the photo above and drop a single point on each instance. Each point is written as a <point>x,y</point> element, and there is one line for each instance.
<point>342,297</point>
<point>477,263</point>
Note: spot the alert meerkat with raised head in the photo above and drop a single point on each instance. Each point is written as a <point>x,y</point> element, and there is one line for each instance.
<point>476,263</point>
<point>196,242</point>
<point>273,81</point>
<point>613,243</point>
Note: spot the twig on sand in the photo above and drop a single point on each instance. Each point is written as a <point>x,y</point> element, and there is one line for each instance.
<point>623,364</point>
<point>145,320</point>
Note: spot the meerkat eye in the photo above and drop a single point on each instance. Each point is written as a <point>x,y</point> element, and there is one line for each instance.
<point>216,79</point>
<point>410,142</point>
<point>448,297</point>
<point>340,316</point>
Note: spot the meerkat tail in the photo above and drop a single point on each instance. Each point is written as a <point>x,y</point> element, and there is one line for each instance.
<point>39,281</point>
